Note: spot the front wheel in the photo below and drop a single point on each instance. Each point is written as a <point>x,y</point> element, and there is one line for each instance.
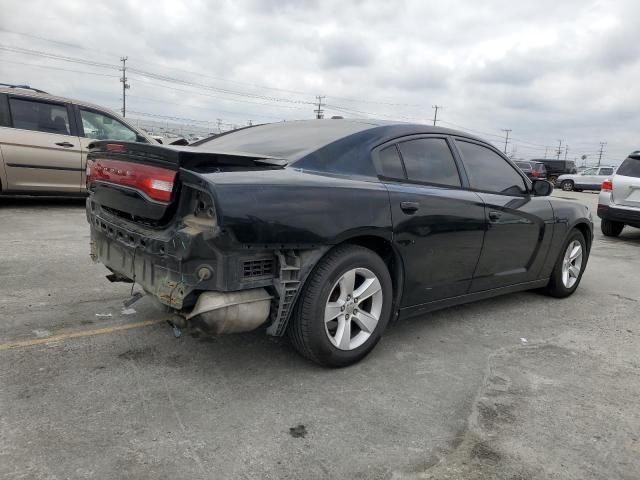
<point>567,185</point>
<point>343,308</point>
<point>569,266</point>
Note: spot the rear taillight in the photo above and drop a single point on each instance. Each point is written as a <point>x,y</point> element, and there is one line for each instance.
<point>535,173</point>
<point>607,185</point>
<point>155,182</point>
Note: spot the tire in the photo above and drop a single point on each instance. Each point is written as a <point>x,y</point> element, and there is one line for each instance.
<point>323,292</point>
<point>567,185</point>
<point>610,228</point>
<point>554,180</point>
<point>560,286</point>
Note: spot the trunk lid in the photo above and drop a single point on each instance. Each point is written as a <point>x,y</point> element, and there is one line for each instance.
<point>142,182</point>
<point>626,183</point>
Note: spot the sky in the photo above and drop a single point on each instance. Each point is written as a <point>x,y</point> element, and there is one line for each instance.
<point>547,70</point>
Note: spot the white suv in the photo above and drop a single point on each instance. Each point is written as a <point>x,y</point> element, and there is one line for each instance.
<point>619,200</point>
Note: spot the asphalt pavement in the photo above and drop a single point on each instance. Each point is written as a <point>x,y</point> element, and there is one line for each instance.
<point>518,387</point>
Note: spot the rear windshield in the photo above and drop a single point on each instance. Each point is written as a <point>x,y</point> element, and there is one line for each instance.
<point>288,140</point>
<point>524,165</point>
<point>630,167</point>
<point>538,167</point>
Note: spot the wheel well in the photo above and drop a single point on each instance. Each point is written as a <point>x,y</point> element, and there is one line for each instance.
<point>391,258</point>
<point>586,232</point>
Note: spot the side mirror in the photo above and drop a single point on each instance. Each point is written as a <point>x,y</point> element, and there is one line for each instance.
<point>542,188</point>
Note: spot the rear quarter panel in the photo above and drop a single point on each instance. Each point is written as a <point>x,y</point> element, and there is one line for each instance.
<point>298,208</point>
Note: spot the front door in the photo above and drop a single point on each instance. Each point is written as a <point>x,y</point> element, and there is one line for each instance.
<point>438,226</point>
<point>519,225</point>
<point>39,151</point>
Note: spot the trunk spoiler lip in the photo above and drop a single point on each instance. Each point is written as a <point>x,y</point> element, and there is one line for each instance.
<point>175,153</point>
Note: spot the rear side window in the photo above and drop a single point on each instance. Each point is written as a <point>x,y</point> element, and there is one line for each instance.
<point>488,171</point>
<point>630,167</point>
<point>390,163</point>
<point>39,116</point>
<point>429,160</point>
<point>5,121</point>
<point>606,171</point>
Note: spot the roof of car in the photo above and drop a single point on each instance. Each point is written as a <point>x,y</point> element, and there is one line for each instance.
<point>27,91</point>
<point>293,140</point>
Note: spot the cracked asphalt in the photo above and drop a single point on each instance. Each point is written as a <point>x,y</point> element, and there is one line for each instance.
<point>518,387</point>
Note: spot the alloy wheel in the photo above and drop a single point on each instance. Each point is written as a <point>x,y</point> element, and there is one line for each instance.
<point>572,264</point>
<point>353,309</point>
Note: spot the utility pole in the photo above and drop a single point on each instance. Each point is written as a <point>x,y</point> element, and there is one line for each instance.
<point>559,148</point>
<point>506,138</point>
<point>602,144</point>
<point>546,149</point>
<point>566,150</point>
<point>219,124</point>
<point>319,111</point>
<point>435,115</point>
<point>125,85</point>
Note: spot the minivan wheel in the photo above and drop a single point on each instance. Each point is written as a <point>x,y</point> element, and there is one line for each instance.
<point>343,308</point>
<point>569,266</point>
<point>610,228</point>
<point>567,185</point>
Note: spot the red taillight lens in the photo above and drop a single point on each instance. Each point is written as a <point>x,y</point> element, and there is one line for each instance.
<point>155,182</point>
<point>535,173</point>
<point>607,185</point>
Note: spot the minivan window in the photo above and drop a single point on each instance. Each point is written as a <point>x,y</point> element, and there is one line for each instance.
<point>630,167</point>
<point>5,121</point>
<point>102,127</point>
<point>488,171</point>
<point>39,116</point>
<point>429,160</point>
<point>390,163</point>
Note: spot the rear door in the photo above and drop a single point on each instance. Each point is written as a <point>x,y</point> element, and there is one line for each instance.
<point>40,150</point>
<point>626,183</point>
<point>438,226</point>
<point>519,224</point>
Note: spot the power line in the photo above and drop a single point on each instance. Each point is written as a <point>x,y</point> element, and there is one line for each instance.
<point>50,67</point>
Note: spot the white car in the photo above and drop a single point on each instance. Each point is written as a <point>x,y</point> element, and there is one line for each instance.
<point>589,179</point>
<point>619,200</point>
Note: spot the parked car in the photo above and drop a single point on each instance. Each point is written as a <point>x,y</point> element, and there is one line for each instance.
<point>533,170</point>
<point>589,179</point>
<point>555,168</point>
<point>619,200</point>
<point>328,229</point>
<point>44,140</point>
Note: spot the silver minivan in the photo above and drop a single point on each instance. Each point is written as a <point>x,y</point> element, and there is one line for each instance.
<point>44,140</point>
<point>619,200</point>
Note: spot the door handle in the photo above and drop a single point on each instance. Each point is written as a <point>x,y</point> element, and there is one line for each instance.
<point>64,144</point>
<point>494,216</point>
<point>409,207</point>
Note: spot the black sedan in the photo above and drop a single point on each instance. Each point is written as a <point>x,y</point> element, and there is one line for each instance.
<point>327,230</point>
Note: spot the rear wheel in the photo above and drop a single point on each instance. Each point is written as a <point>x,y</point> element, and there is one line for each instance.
<point>554,180</point>
<point>569,266</point>
<point>610,228</point>
<point>344,307</point>
<point>567,185</point>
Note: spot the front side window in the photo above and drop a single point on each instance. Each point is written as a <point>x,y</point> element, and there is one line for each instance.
<point>606,171</point>
<point>429,160</point>
<point>488,171</point>
<point>102,127</point>
<point>39,116</point>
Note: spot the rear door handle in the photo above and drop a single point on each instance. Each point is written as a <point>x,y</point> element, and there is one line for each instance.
<point>409,207</point>
<point>494,216</point>
<point>64,144</point>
